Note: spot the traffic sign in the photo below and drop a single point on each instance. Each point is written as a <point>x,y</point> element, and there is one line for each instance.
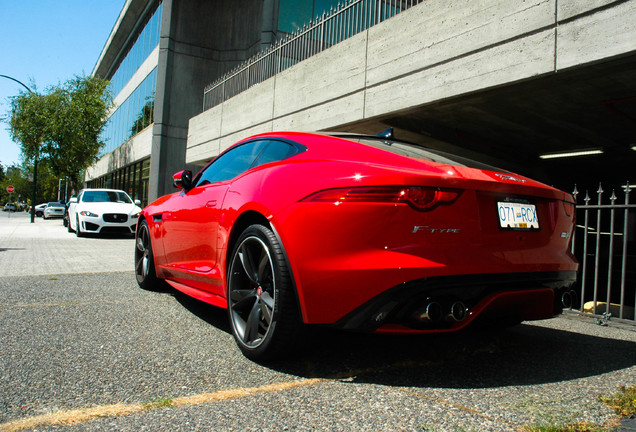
<point>10,189</point>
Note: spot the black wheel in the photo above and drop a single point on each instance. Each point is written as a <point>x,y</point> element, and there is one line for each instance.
<point>262,305</point>
<point>144,260</point>
<point>78,230</point>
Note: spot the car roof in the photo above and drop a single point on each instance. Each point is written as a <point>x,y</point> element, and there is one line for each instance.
<point>103,190</point>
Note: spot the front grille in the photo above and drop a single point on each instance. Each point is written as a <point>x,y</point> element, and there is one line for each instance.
<point>115,217</point>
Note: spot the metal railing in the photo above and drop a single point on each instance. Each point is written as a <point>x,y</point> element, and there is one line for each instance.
<point>346,20</point>
<point>605,246</point>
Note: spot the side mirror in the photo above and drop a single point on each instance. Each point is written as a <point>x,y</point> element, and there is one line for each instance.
<point>182,180</point>
<point>138,203</point>
<point>73,200</point>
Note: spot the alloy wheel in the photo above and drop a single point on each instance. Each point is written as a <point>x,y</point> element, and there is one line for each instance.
<point>142,253</point>
<point>252,291</point>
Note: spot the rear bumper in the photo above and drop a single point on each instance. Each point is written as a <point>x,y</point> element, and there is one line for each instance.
<point>509,297</point>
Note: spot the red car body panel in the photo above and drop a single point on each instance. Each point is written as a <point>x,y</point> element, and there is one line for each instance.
<point>343,254</point>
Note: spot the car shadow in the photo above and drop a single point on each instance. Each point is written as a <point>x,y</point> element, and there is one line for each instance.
<point>525,354</point>
<point>214,316</point>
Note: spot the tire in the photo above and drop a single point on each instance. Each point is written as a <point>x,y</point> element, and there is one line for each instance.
<point>144,260</point>
<point>262,307</point>
<point>78,230</point>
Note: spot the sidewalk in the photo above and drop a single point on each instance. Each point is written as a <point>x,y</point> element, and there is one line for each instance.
<point>46,247</point>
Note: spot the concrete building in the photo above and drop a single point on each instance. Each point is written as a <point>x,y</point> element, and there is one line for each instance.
<point>501,81</point>
<point>159,57</point>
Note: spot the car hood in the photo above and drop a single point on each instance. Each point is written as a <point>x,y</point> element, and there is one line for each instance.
<point>108,207</point>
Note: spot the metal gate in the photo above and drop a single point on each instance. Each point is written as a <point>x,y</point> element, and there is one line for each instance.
<point>604,243</point>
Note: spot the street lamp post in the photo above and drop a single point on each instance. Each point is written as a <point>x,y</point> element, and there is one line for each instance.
<point>35,159</point>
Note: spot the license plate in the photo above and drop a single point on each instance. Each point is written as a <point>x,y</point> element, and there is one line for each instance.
<point>514,215</point>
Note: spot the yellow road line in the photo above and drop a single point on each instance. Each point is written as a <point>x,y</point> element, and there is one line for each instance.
<point>118,410</point>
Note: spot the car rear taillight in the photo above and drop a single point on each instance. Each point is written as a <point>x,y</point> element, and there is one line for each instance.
<point>418,197</point>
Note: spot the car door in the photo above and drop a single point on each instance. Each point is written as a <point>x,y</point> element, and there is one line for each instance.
<point>191,220</point>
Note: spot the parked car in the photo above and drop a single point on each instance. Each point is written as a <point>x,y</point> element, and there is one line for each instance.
<point>39,209</point>
<point>10,207</point>
<point>65,217</point>
<point>359,233</point>
<point>103,211</point>
<point>53,210</point>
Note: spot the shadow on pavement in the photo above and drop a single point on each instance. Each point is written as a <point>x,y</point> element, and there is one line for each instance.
<point>481,358</point>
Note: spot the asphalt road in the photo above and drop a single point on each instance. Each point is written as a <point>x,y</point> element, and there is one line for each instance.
<point>90,347</point>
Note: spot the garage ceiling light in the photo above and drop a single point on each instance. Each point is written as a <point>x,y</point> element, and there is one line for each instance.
<point>572,153</point>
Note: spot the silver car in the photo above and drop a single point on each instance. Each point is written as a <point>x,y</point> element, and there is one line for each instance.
<point>53,210</point>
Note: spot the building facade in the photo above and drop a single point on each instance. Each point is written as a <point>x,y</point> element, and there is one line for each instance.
<point>159,57</point>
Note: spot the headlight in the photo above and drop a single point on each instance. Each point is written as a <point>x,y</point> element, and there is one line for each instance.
<point>134,216</point>
<point>89,214</point>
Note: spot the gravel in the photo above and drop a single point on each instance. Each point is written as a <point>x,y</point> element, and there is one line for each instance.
<point>74,341</point>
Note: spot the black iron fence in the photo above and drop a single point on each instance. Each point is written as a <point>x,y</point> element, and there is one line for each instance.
<point>348,19</point>
<point>604,243</point>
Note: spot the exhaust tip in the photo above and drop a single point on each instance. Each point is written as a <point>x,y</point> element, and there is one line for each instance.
<point>457,312</point>
<point>574,299</point>
<point>431,313</point>
<point>566,299</point>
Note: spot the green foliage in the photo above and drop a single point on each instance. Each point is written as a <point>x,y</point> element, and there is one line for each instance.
<point>574,427</point>
<point>144,119</point>
<point>62,126</point>
<point>623,403</point>
<point>159,403</point>
<point>18,177</point>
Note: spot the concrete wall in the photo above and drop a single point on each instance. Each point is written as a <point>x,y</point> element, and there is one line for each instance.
<point>133,150</point>
<point>432,52</point>
<point>199,41</point>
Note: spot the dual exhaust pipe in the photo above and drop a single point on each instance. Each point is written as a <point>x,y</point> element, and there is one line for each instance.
<point>433,312</point>
<point>569,299</point>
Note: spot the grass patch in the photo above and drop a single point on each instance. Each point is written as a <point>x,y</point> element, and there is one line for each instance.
<point>159,403</point>
<point>573,427</point>
<point>623,403</point>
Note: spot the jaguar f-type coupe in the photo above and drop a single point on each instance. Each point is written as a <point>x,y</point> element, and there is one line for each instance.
<point>363,233</point>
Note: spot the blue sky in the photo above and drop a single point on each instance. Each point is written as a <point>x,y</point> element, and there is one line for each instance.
<point>45,43</point>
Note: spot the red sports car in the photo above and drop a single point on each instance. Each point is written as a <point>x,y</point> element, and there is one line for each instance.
<point>360,233</point>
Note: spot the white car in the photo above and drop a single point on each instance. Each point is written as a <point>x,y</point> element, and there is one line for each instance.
<point>53,209</point>
<point>103,211</point>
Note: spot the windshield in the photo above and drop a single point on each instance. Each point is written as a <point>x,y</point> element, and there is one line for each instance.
<point>106,196</point>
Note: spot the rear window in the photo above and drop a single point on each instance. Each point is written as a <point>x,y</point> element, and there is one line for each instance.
<point>416,151</point>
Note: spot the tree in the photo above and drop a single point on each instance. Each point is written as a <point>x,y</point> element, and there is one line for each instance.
<point>18,177</point>
<point>63,125</point>
<point>144,119</point>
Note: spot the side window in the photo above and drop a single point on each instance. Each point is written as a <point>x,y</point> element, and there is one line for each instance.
<point>232,163</point>
<point>274,151</point>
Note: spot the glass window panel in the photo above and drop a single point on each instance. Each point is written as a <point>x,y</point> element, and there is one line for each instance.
<point>231,164</point>
<point>293,14</point>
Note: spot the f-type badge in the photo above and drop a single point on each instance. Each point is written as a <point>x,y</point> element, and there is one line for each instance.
<point>435,230</point>
<point>509,178</point>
